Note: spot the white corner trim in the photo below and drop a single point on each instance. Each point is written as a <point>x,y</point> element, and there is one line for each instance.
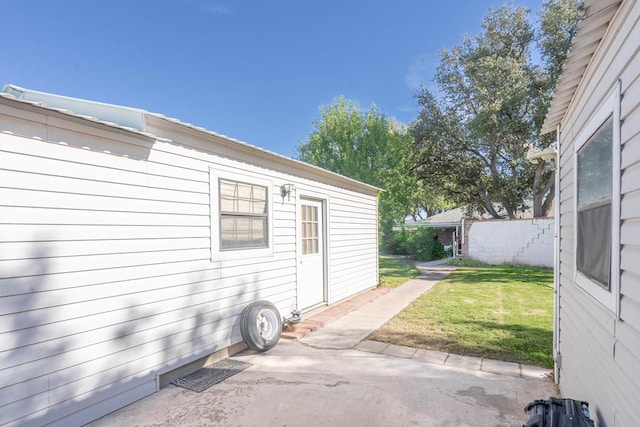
<point>611,107</point>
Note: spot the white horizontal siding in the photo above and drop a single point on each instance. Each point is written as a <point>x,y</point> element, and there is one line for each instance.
<point>100,401</point>
<point>38,182</point>
<point>600,354</point>
<point>116,289</point>
<point>22,233</point>
<point>354,260</point>
<point>629,288</point>
<point>152,342</point>
<point>51,166</point>
<point>630,149</point>
<point>630,208</point>
<point>46,199</point>
<point>37,280</point>
<point>106,277</point>
<point>71,248</point>
<point>354,248</point>
<point>116,168</point>
<point>41,264</point>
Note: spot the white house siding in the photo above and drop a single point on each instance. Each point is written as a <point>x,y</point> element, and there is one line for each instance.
<point>352,213</point>
<point>515,241</point>
<point>600,355</point>
<point>352,268</point>
<point>106,272</point>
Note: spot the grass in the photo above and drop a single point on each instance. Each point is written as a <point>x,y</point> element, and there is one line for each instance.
<point>498,312</point>
<point>394,273</point>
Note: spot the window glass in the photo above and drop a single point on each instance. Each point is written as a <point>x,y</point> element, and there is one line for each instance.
<point>243,215</point>
<point>310,236</point>
<point>593,257</point>
<point>594,166</point>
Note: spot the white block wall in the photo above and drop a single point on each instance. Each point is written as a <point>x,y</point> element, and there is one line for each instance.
<point>520,241</point>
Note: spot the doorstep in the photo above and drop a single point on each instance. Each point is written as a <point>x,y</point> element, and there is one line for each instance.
<point>331,313</point>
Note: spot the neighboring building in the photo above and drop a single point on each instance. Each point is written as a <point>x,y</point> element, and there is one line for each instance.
<point>510,241</point>
<point>596,109</point>
<point>130,242</point>
<point>525,240</point>
<point>448,225</point>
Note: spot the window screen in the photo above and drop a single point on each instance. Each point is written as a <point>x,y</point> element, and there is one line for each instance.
<point>593,257</point>
<point>243,216</point>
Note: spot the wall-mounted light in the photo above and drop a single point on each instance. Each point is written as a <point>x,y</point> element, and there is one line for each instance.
<point>534,157</point>
<point>286,189</point>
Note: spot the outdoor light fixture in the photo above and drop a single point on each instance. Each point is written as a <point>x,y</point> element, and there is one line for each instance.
<point>546,154</point>
<point>534,157</point>
<point>286,189</point>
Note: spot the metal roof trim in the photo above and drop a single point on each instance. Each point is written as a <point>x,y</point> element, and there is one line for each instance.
<point>591,30</point>
<point>7,94</point>
<point>91,119</point>
<point>269,153</point>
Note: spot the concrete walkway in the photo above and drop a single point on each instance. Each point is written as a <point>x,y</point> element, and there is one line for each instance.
<point>346,325</point>
<point>331,377</point>
<point>349,329</point>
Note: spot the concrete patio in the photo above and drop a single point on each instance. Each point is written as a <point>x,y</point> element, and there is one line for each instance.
<point>328,374</point>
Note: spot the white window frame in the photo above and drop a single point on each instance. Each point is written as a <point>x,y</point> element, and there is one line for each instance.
<point>215,175</point>
<point>610,108</point>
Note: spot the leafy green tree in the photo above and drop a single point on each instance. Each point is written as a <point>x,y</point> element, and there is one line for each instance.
<point>472,140</point>
<point>373,149</point>
<point>558,23</point>
<point>558,20</point>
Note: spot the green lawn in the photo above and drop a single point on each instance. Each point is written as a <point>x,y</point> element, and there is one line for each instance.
<point>394,272</point>
<point>498,312</point>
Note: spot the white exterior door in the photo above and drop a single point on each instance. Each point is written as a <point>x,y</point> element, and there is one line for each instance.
<point>311,240</point>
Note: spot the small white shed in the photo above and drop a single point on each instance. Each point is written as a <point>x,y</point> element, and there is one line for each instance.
<point>596,113</point>
<point>130,242</point>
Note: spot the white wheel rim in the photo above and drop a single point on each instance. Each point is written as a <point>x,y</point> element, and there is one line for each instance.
<point>266,323</point>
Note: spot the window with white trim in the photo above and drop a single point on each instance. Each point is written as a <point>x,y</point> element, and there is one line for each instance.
<point>597,204</point>
<point>593,256</point>
<point>310,234</point>
<point>244,215</point>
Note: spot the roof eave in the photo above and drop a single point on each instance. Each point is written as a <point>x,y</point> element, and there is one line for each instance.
<point>267,153</point>
<point>591,30</point>
<point>135,119</point>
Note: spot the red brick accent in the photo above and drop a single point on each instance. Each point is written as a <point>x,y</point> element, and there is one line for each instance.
<point>295,335</point>
<point>317,321</point>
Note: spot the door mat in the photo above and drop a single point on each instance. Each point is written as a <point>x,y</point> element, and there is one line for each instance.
<point>204,378</point>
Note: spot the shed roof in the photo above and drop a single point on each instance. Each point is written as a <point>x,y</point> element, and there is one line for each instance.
<point>447,219</point>
<point>591,30</point>
<point>133,120</point>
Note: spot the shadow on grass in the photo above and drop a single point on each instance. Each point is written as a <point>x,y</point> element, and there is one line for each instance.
<point>510,343</point>
<point>395,272</point>
<point>499,274</point>
<point>396,268</point>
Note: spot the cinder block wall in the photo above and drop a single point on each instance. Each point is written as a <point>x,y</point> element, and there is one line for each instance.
<point>516,241</point>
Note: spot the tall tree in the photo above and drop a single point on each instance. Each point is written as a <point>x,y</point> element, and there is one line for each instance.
<point>472,140</point>
<point>373,149</point>
<point>558,23</point>
<point>558,20</point>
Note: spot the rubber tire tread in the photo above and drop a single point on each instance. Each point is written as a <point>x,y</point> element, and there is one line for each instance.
<point>249,331</point>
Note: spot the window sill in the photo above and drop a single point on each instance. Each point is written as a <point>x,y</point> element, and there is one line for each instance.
<point>597,292</point>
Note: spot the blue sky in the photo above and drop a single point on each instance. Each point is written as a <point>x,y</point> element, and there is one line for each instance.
<point>257,71</point>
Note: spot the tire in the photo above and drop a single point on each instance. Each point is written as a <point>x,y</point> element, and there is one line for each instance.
<point>260,325</point>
